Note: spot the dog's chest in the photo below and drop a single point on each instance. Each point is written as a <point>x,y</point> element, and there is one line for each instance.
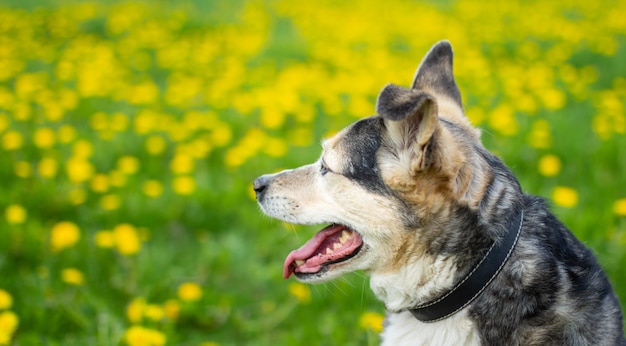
<point>403,329</point>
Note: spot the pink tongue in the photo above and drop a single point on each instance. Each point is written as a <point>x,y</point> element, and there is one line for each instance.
<point>314,251</point>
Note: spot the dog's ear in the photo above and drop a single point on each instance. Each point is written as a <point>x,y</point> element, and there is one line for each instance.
<point>435,73</point>
<point>411,120</point>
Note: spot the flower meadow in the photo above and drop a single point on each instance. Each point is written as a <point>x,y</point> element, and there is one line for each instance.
<point>130,133</point>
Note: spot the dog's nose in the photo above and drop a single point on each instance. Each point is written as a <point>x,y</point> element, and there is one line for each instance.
<point>260,184</point>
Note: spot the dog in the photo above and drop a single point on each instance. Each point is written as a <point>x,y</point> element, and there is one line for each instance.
<point>453,247</point>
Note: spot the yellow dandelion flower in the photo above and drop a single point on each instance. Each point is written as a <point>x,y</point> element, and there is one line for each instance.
<point>182,90</point>
<point>44,138</point>
<point>12,140</point>
<point>6,301</point>
<point>63,235</point>
<point>141,336</point>
<point>171,309</point>
<point>144,93</point>
<point>145,121</point>
<point>119,122</point>
<point>359,105</point>
<point>27,84</point>
<point>549,165</point>
<point>128,164</point>
<point>189,292</point>
<point>82,149</point>
<point>110,202</point>
<point>372,321</point>
<point>152,188</point>
<point>221,135</point>
<point>99,121</point>
<point>53,111</point>
<point>154,312</point>
<point>8,326</point>
<point>122,18</point>
<point>135,309</point>
<point>194,120</point>
<point>565,196</point>
<point>11,68</point>
<point>127,240</point>
<point>526,104</point>
<point>502,119</point>
<point>306,114</point>
<point>272,119</point>
<point>235,157</point>
<point>15,214</point>
<point>48,167</point>
<point>553,98</point>
<point>78,169</point>
<point>68,98</point>
<point>300,291</point>
<point>72,276</point>
<point>199,148</point>
<point>275,147</point>
<point>182,164</point>
<point>104,239</point>
<point>155,145</point>
<point>253,141</point>
<point>100,183</point>
<point>177,132</point>
<point>184,185</point>
<point>539,135</point>
<point>619,207</point>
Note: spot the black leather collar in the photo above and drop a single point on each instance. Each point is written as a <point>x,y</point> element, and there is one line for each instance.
<point>472,285</point>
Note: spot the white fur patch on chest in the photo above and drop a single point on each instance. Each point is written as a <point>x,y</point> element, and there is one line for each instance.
<point>403,329</point>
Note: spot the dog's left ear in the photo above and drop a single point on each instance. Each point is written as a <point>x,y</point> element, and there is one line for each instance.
<point>411,120</point>
<point>435,75</point>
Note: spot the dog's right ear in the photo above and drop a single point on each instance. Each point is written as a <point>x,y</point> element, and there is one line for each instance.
<point>411,119</point>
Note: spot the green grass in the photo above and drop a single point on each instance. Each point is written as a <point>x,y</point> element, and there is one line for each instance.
<point>267,80</point>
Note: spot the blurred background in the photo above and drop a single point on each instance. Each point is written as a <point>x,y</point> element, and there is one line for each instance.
<point>130,133</point>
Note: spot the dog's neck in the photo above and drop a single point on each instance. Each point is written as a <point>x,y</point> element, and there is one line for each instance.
<point>473,284</point>
<point>417,287</point>
<point>414,283</point>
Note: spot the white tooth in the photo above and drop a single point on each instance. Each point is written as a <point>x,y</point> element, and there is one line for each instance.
<point>328,251</point>
<point>344,236</point>
<point>299,262</point>
<point>336,246</point>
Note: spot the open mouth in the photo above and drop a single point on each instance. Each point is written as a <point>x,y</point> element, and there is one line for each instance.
<point>335,243</point>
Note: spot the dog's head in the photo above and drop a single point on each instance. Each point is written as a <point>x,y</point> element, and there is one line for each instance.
<point>386,184</point>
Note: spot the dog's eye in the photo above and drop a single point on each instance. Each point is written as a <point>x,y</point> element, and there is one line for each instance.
<point>323,168</point>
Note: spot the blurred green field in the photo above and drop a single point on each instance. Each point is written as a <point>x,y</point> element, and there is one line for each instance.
<point>130,133</point>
